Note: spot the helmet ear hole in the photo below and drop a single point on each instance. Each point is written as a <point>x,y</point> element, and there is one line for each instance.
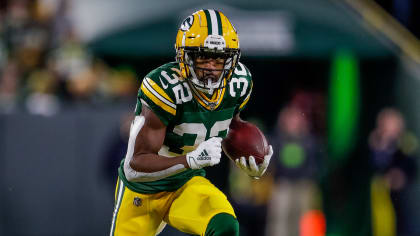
<point>180,58</point>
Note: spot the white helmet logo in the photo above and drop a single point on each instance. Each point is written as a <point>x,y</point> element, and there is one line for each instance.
<point>187,23</point>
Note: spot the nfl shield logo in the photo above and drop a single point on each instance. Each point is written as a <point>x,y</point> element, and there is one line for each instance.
<point>137,201</point>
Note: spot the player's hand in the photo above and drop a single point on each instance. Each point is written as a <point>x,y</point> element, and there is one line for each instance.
<point>208,153</point>
<point>252,169</point>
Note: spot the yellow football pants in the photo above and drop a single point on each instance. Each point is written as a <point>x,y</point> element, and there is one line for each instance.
<point>189,209</point>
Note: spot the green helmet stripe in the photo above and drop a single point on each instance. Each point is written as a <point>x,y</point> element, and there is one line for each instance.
<point>209,23</point>
<point>219,23</point>
<point>214,22</point>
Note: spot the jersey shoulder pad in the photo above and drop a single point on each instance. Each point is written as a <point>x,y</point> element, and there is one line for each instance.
<point>157,93</point>
<point>241,81</point>
<point>166,76</point>
<point>241,85</point>
<point>242,71</point>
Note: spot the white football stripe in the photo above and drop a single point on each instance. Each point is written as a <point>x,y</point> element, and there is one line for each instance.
<point>214,25</point>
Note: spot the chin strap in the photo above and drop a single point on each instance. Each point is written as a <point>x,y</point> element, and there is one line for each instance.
<point>211,89</point>
<point>210,105</point>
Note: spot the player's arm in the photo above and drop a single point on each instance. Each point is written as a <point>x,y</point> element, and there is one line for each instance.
<point>148,142</point>
<point>143,163</point>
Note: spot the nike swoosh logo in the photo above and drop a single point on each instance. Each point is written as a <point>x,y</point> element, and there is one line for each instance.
<point>165,86</point>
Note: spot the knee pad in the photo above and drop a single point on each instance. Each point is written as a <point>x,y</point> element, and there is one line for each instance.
<point>223,224</point>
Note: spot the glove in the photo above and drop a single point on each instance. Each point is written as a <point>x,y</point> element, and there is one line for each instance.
<point>208,153</point>
<point>254,170</point>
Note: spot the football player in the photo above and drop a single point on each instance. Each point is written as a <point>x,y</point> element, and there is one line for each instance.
<point>183,111</point>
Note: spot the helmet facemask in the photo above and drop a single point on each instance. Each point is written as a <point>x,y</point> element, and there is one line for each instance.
<point>206,82</point>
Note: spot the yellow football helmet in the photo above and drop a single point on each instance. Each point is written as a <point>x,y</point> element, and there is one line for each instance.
<point>207,33</point>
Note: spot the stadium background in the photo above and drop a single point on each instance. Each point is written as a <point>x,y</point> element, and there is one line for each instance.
<point>69,72</point>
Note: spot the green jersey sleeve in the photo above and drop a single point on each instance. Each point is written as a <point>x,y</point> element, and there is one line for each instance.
<point>156,97</point>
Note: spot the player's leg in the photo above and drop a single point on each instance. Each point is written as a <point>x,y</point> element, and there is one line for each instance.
<point>133,214</point>
<point>200,208</point>
<point>222,224</point>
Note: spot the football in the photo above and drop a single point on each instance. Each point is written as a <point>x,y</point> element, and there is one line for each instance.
<point>244,139</point>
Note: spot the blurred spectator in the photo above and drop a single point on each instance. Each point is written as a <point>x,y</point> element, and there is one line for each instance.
<point>295,165</point>
<point>70,56</point>
<point>121,84</point>
<point>42,85</point>
<point>44,65</point>
<point>62,26</point>
<point>392,156</point>
<point>9,82</point>
<point>27,33</point>
<point>3,51</point>
<point>312,104</point>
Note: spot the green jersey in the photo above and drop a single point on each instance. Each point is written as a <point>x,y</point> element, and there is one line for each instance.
<point>189,121</point>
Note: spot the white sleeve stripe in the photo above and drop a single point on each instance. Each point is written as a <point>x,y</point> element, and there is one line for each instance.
<point>137,176</point>
<point>147,85</point>
<point>148,177</point>
<point>135,128</point>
